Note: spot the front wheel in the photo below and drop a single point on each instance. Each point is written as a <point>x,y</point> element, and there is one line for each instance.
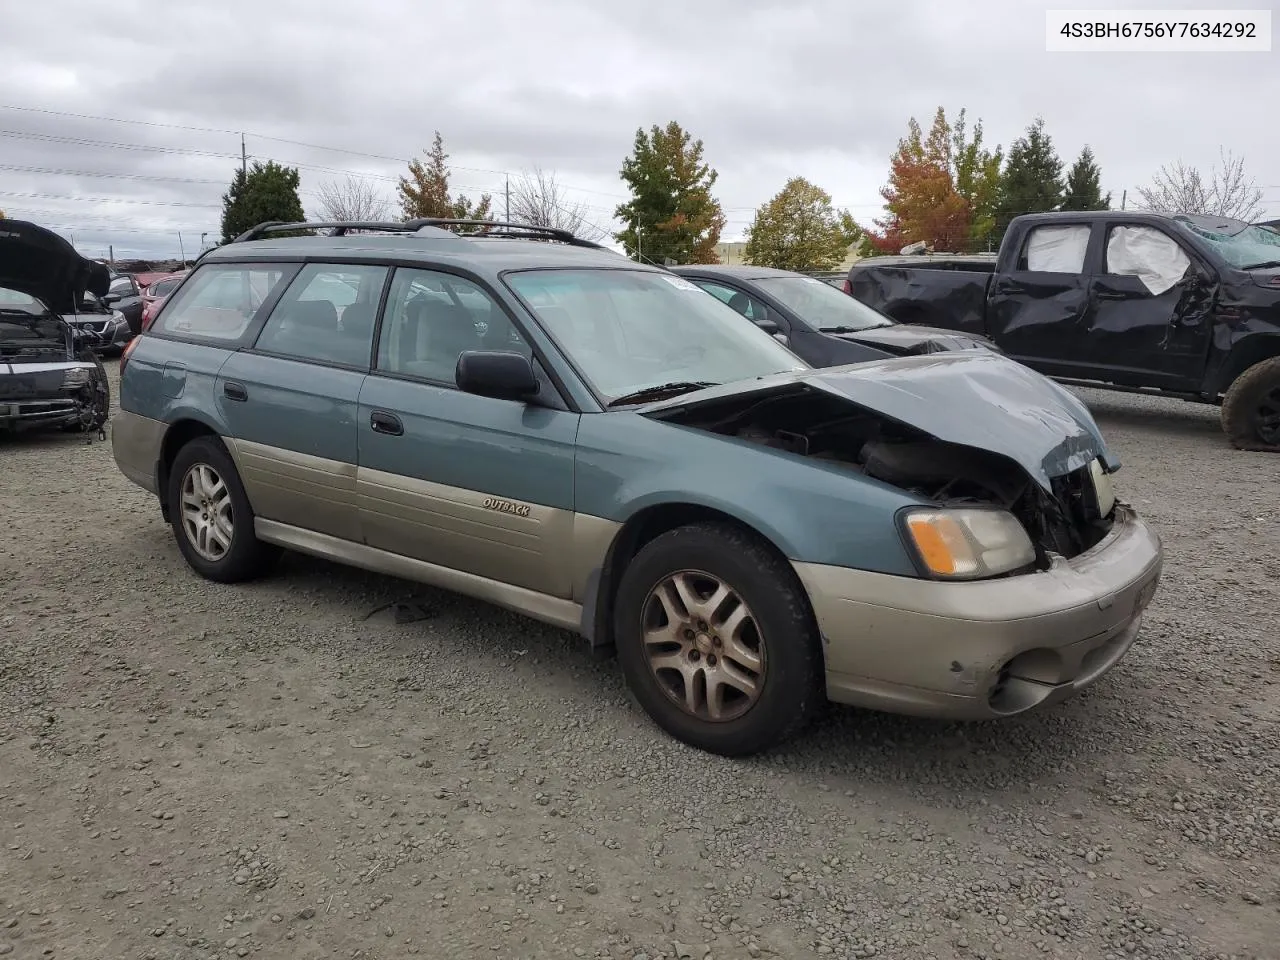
<point>1251,408</point>
<point>211,517</point>
<point>717,640</point>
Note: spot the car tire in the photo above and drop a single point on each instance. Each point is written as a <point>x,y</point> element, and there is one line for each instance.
<point>211,517</point>
<point>1251,408</point>
<point>777,635</point>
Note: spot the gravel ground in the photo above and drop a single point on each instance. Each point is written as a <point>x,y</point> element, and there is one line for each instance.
<point>282,770</point>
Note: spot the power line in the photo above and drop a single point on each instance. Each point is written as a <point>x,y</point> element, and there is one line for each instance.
<point>264,136</point>
<point>150,203</point>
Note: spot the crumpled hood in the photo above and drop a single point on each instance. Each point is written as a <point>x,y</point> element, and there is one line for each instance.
<point>904,338</point>
<point>978,399</point>
<point>41,264</point>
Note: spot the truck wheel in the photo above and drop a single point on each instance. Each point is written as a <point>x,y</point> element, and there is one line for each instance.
<point>1251,408</point>
<point>717,640</point>
<point>211,517</point>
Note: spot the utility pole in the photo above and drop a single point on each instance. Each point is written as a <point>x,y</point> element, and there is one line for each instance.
<point>507,218</point>
<point>1124,195</point>
<point>244,158</point>
<point>181,252</point>
<point>111,254</point>
<point>639,255</point>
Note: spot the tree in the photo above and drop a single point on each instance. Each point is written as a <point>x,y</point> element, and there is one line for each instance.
<point>921,197</point>
<point>1084,190</point>
<point>1178,188</point>
<point>672,213</point>
<point>976,174</point>
<point>266,191</point>
<point>351,199</point>
<point>799,230</point>
<point>425,191</point>
<point>538,200</point>
<point>1032,178</point>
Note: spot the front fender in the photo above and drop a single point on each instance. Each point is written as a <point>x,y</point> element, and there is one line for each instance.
<point>812,511</point>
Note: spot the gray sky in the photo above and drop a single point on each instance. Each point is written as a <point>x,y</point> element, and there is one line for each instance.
<point>819,88</point>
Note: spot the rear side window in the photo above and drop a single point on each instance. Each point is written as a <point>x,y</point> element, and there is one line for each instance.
<point>219,301</point>
<point>326,315</point>
<point>1057,249</point>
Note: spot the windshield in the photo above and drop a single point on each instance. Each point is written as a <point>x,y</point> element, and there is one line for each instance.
<point>11,301</point>
<point>1241,245</point>
<point>822,305</point>
<point>627,330</point>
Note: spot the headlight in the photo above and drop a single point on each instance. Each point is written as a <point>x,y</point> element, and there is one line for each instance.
<point>967,543</point>
<point>75,378</point>
<point>1102,488</point>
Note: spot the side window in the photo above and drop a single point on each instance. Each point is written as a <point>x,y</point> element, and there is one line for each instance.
<point>432,318</point>
<point>122,287</point>
<point>748,306</point>
<point>220,300</point>
<point>1056,249</point>
<point>326,315</point>
<point>1149,254</point>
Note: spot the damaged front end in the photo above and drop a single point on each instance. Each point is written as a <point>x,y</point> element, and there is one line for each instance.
<point>48,378</point>
<point>944,440</point>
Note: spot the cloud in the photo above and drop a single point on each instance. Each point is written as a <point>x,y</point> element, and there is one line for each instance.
<point>813,87</point>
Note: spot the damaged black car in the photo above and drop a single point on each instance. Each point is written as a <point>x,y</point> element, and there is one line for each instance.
<point>50,375</point>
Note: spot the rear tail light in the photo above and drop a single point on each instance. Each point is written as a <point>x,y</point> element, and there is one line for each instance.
<point>848,287</point>
<point>127,352</point>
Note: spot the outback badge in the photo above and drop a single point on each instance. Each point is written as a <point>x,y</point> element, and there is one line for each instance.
<point>506,506</point>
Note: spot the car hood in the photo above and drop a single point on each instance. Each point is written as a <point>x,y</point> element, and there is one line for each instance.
<point>904,339</point>
<point>978,399</point>
<point>41,264</point>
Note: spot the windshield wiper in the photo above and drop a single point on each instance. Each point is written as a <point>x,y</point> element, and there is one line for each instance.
<point>660,391</point>
<point>1265,264</point>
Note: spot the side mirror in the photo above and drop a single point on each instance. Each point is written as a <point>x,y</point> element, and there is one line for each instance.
<point>496,373</point>
<point>768,326</point>
<point>111,298</point>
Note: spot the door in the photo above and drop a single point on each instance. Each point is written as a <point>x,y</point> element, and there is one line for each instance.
<point>1038,311</point>
<point>1151,309</point>
<point>467,482</point>
<point>291,400</point>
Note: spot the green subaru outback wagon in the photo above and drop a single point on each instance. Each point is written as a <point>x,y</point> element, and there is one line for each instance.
<point>518,415</point>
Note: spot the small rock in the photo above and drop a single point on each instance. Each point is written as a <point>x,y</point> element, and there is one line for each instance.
<point>306,913</point>
<point>281,814</point>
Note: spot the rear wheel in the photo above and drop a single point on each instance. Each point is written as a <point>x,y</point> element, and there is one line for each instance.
<point>1251,408</point>
<point>717,641</point>
<point>211,517</point>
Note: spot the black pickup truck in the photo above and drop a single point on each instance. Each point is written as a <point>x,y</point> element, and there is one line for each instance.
<point>1187,306</point>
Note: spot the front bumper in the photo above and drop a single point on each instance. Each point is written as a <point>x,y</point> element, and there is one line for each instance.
<point>985,649</point>
<point>36,395</point>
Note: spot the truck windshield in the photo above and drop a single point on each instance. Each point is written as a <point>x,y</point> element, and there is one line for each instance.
<point>1242,245</point>
<point>822,305</point>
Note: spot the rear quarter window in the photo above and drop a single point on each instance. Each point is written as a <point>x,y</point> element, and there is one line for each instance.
<point>220,301</point>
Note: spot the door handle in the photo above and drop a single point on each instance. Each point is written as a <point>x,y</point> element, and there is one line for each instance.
<point>387,423</point>
<point>235,391</point>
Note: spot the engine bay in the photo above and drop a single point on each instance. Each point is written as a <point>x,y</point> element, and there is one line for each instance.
<point>812,423</point>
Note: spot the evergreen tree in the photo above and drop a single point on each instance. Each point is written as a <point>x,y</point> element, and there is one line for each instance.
<point>266,191</point>
<point>1084,191</point>
<point>1032,178</point>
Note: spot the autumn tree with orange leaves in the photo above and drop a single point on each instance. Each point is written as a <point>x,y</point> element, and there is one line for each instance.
<point>942,189</point>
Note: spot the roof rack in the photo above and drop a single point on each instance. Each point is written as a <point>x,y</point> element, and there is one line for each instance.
<point>339,228</point>
<point>433,225</point>
<point>523,231</point>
